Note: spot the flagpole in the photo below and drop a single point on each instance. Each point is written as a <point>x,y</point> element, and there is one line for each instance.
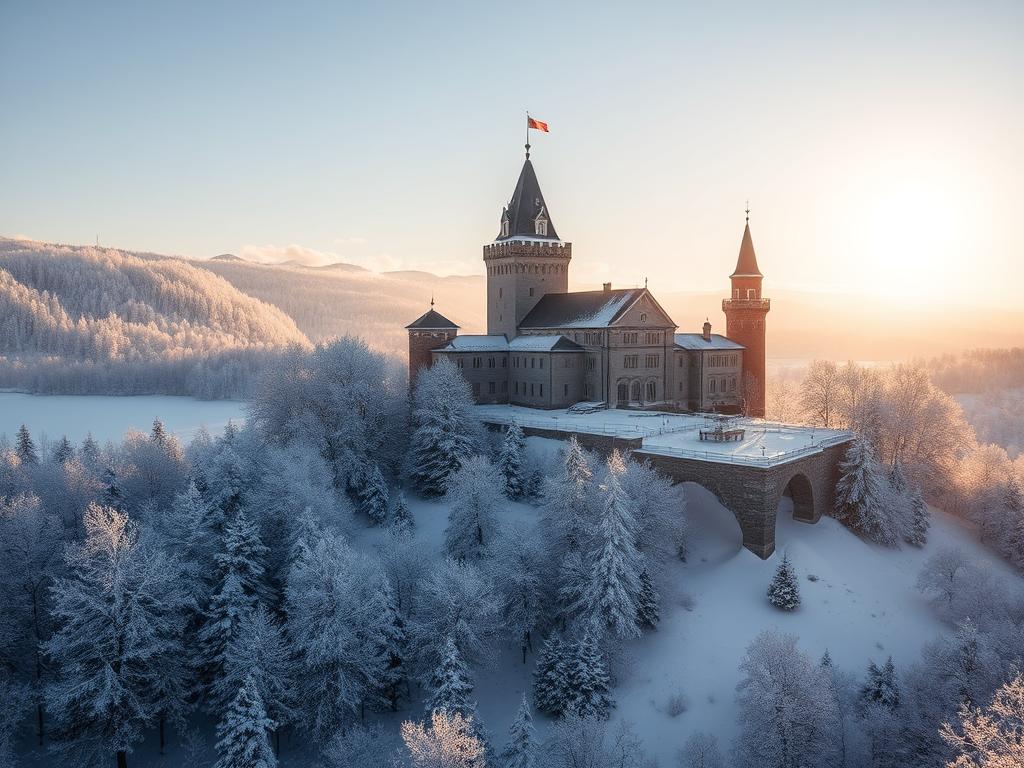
<point>527,134</point>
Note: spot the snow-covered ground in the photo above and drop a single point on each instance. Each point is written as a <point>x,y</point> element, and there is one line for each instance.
<point>676,434</point>
<point>109,417</point>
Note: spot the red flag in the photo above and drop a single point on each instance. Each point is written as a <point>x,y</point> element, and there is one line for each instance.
<point>536,124</point>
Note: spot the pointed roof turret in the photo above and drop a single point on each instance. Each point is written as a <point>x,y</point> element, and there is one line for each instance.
<point>526,213</point>
<point>432,320</point>
<point>746,264</point>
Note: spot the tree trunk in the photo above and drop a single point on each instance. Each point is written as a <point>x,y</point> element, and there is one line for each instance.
<point>122,759</point>
<point>277,742</point>
<point>163,741</point>
<point>39,720</point>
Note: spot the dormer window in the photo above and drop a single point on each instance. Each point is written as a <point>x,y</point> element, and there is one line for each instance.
<point>541,226</point>
<point>504,227</point>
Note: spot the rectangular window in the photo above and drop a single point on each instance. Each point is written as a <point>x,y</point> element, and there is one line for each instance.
<point>531,291</point>
<point>680,361</point>
<point>499,293</point>
<point>732,384</point>
<point>713,385</point>
<point>651,361</point>
<point>460,362</point>
<point>504,362</point>
<point>631,361</point>
<point>490,387</point>
<point>531,389</point>
<point>541,389</point>
<point>476,389</point>
<point>542,363</point>
<point>629,338</point>
<point>490,362</point>
<point>565,390</point>
<point>533,362</point>
<point>680,386</point>
<point>653,338</point>
<point>477,361</point>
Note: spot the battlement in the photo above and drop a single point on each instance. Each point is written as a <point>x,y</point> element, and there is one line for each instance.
<point>545,249</point>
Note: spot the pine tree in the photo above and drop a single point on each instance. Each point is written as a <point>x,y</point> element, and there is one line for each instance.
<point>588,681</point>
<point>920,520</point>
<point>447,431</point>
<point>860,496</point>
<point>245,554</point>
<point>881,686</point>
<point>647,612</point>
<point>450,685</point>
<point>63,452</point>
<point>401,516</point>
<point>388,635</point>
<point>159,433</point>
<point>784,591</point>
<point>90,451</point>
<point>242,734</point>
<point>472,497</point>
<point>510,462</point>
<point>375,497</point>
<point>550,679</point>
<point>25,448</point>
<point>826,659</point>
<point>615,584</point>
<point>521,749</point>
<point>112,496</point>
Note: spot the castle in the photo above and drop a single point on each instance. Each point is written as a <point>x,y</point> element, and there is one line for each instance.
<point>547,347</point>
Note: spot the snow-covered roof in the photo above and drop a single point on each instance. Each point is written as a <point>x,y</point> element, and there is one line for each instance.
<point>472,343</point>
<point>695,341</point>
<point>545,343</point>
<point>580,309</point>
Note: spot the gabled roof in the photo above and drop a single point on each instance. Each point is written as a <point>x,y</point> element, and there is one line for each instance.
<point>526,203</point>
<point>746,264</point>
<point>585,309</point>
<point>547,343</point>
<point>695,341</point>
<point>432,320</point>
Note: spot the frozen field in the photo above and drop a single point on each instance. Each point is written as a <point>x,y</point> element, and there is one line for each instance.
<point>109,417</point>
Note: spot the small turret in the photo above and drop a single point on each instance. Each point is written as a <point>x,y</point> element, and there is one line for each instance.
<point>429,331</point>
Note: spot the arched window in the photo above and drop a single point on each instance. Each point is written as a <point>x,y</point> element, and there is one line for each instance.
<point>504,227</point>
<point>541,227</point>
<point>634,391</point>
<point>652,391</point>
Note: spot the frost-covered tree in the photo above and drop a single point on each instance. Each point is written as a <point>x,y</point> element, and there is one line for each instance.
<point>449,742</point>
<point>784,591</point>
<point>992,737</point>
<point>361,746</point>
<point>400,517</point>
<point>701,751</point>
<point>566,497</point>
<point>31,543</point>
<point>659,509</point>
<point>16,699</point>
<point>588,681</point>
<point>185,531</point>
<point>447,432</point>
<point>25,448</point>
<point>647,612</point>
<point>787,716</point>
<point>881,686</point>
<point>375,497</point>
<point>521,749</point>
<point>511,462</point>
<point>112,496</point>
<point>450,685</point>
<point>90,451</point>
<point>244,554</point>
<point>861,496</point>
<point>242,734</point>
<point>550,678</point>
<point>120,614</point>
<point>455,600</point>
<point>614,588</point>
<point>576,741</point>
<point>473,495</point>
<point>259,654</point>
<point>387,639</point>
<point>63,451</point>
<point>520,566</point>
<point>920,520</point>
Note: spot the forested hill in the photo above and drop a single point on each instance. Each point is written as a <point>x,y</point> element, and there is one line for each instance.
<point>77,319</point>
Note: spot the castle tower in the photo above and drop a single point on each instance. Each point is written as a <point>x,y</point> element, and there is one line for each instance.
<point>745,314</point>
<point>526,259</point>
<point>430,331</point>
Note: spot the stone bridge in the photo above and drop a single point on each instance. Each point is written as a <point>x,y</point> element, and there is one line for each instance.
<point>751,491</point>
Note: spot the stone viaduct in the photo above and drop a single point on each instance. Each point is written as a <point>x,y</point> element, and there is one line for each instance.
<point>752,492</point>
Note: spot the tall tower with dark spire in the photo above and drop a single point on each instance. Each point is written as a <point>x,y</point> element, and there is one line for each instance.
<point>526,259</point>
<point>745,314</point>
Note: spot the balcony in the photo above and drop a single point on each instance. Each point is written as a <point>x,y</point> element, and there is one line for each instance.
<point>761,304</point>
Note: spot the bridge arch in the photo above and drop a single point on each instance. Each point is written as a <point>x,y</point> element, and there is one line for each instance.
<point>800,490</point>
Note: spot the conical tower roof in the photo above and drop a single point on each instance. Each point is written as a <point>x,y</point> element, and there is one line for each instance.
<point>432,320</point>
<point>526,205</point>
<point>746,264</point>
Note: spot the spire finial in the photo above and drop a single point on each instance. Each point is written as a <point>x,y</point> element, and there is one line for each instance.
<point>527,134</point>
<point>748,211</point>
<point>431,301</point>
<point>645,282</point>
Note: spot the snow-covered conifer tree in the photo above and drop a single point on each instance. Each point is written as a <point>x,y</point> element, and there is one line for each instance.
<point>243,553</point>
<point>701,751</point>
<point>63,451</point>
<point>550,679</point>
<point>881,686</point>
<point>521,749</point>
<point>519,575</point>
<point>375,497</point>
<point>473,494</point>
<point>112,496</point>
<point>588,680</point>
<point>450,684</point>
<point>159,433</point>
<point>615,584</point>
<point>258,653</point>
<point>920,520</point>
<point>647,612</point>
<point>447,432</point>
<point>386,635</point>
<point>784,591</point>
<point>400,517</point>
<point>242,734</point>
<point>24,447</point>
<point>510,462</point>
<point>861,496</point>
<point>90,451</point>
<point>120,615</point>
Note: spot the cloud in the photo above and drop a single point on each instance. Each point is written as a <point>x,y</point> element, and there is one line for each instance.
<point>299,254</point>
<point>375,262</point>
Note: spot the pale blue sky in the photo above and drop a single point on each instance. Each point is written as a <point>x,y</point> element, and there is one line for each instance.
<point>870,137</point>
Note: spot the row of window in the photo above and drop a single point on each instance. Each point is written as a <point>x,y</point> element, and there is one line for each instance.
<point>492,388</point>
<point>517,269</point>
<point>536,390</point>
<point>719,385</point>
<point>650,361</point>
<point>650,337</point>
<point>721,361</point>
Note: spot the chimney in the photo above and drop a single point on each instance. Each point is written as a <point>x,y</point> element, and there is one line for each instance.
<point>707,331</point>
<point>607,287</point>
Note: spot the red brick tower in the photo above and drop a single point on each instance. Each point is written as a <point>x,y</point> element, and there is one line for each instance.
<point>745,314</point>
<point>430,331</point>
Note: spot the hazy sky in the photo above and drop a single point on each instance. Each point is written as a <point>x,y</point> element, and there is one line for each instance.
<point>880,144</point>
